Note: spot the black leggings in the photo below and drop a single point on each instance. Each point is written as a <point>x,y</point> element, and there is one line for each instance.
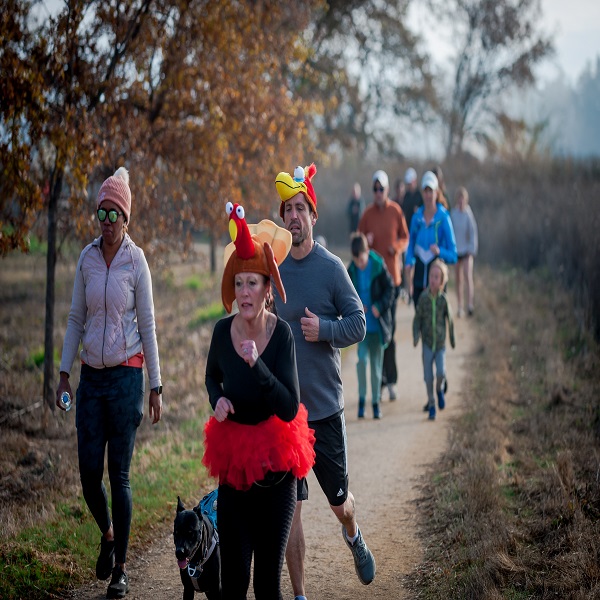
<point>255,521</point>
<point>389,372</point>
<point>109,410</point>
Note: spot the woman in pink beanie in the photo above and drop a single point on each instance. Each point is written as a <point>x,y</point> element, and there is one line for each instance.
<point>112,317</point>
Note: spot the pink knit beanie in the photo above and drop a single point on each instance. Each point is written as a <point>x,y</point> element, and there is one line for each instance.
<point>116,188</point>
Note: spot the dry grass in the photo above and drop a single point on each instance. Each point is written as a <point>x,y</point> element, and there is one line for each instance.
<point>512,512</point>
<point>536,214</point>
<point>38,467</point>
<point>514,509</point>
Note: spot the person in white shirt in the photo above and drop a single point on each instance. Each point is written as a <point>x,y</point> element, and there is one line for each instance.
<point>465,231</point>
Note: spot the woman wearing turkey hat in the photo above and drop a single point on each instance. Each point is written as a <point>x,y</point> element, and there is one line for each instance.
<point>258,442</point>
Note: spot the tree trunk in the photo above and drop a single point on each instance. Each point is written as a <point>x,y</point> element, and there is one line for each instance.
<point>48,391</point>
<point>213,253</point>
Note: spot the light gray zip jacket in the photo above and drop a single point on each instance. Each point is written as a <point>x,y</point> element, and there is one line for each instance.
<point>112,311</point>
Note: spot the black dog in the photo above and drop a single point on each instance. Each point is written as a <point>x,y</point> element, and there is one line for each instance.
<point>197,552</point>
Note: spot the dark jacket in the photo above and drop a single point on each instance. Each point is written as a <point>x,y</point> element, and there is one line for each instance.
<point>382,292</point>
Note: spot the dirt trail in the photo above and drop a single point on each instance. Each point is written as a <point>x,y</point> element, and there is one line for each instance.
<point>386,460</point>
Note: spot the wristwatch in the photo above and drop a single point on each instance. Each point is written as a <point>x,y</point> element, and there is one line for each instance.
<point>158,390</point>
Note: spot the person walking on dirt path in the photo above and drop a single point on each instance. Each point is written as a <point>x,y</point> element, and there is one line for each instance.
<point>431,237</point>
<point>384,225</point>
<point>375,288</point>
<point>465,230</point>
<point>429,324</point>
<point>399,192</point>
<point>412,196</point>
<point>442,192</point>
<point>411,201</point>
<point>112,315</point>
<point>258,441</point>
<point>325,314</point>
<point>356,206</point>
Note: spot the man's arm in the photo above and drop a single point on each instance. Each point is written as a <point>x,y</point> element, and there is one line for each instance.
<point>401,243</point>
<point>351,326</point>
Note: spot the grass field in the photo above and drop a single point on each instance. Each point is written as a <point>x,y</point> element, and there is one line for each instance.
<point>48,540</point>
<point>511,512</point>
<point>513,509</point>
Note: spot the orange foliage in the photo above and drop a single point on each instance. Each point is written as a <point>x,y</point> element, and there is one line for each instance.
<point>194,97</point>
<point>211,117</point>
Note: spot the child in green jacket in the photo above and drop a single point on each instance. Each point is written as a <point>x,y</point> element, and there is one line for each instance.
<point>429,323</point>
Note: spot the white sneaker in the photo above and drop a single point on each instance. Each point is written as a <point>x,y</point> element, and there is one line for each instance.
<point>392,391</point>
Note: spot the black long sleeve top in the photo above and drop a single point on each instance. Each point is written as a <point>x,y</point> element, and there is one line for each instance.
<point>268,388</point>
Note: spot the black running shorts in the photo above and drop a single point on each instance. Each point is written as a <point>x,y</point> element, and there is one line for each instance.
<point>331,461</point>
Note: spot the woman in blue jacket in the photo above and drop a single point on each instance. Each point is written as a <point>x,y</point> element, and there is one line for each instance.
<point>431,237</point>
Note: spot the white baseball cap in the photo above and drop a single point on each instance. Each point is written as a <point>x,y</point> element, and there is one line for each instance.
<point>410,175</point>
<point>382,177</point>
<point>429,181</point>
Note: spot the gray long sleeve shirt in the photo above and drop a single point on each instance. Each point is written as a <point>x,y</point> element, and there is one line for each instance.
<point>321,283</point>
<point>465,231</point>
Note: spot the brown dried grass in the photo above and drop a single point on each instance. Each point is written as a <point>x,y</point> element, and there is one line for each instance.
<point>513,510</point>
<point>38,465</point>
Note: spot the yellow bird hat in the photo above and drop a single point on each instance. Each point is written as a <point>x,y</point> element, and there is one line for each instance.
<point>288,186</point>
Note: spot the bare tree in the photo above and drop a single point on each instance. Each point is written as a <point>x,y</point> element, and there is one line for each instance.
<point>365,68</point>
<point>498,44</point>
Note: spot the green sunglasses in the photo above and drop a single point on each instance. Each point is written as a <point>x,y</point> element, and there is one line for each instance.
<point>112,215</point>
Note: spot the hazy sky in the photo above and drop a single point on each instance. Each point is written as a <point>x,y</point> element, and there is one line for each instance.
<point>577,39</point>
<point>574,26</point>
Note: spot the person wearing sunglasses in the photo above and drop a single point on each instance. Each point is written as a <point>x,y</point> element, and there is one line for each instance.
<point>384,225</point>
<point>112,317</point>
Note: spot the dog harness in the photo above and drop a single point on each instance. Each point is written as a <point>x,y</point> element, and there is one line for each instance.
<point>195,567</point>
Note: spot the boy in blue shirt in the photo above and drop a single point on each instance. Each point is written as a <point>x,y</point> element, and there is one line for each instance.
<point>375,288</point>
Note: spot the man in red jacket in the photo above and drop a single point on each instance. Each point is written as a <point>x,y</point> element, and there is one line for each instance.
<point>384,225</point>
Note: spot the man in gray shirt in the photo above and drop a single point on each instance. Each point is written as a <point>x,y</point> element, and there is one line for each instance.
<point>325,314</point>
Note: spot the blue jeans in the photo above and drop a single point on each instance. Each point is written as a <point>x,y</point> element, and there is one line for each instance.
<point>429,358</point>
<point>371,347</point>
<point>110,405</point>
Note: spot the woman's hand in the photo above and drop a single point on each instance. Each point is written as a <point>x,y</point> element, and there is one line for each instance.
<point>375,311</point>
<point>249,352</point>
<point>435,249</point>
<point>223,408</point>
<point>63,386</point>
<point>155,406</point>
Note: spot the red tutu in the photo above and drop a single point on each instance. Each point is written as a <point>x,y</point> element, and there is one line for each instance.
<point>239,455</point>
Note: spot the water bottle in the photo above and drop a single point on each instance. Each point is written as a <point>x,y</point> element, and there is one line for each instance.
<point>65,401</point>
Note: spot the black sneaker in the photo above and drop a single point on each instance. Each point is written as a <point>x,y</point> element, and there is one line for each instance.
<point>106,559</point>
<point>364,563</point>
<point>119,584</point>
